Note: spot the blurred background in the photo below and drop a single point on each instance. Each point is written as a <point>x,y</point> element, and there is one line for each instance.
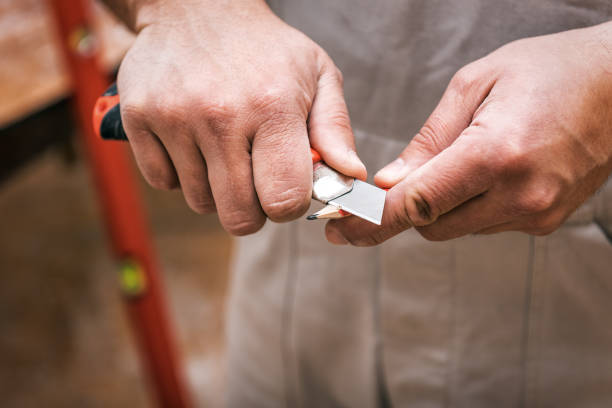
<point>65,339</point>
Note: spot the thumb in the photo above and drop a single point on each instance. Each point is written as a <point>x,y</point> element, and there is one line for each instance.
<point>453,177</point>
<point>453,114</point>
<point>329,126</point>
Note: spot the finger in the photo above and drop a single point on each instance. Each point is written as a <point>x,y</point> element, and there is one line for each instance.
<point>358,232</point>
<point>329,126</point>
<point>460,172</point>
<point>451,178</point>
<point>282,168</point>
<point>151,157</point>
<point>479,213</point>
<point>454,113</point>
<point>231,181</point>
<point>192,172</point>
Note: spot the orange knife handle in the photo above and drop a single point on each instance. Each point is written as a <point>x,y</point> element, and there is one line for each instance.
<point>316,157</point>
<point>107,116</point>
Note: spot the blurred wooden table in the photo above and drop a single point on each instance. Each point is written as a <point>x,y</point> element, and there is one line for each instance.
<point>31,72</point>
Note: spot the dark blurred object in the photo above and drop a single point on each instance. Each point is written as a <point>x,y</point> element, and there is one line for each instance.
<point>51,127</point>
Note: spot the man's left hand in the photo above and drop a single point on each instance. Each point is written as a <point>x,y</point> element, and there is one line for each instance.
<point>518,141</point>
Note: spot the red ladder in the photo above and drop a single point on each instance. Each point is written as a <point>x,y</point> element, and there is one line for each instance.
<point>122,208</point>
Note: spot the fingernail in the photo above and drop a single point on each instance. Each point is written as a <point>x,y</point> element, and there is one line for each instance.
<point>391,170</point>
<point>335,237</point>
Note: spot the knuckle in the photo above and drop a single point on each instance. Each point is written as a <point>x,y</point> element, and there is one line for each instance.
<point>195,107</point>
<point>288,205</point>
<point>271,131</point>
<point>401,218</point>
<point>133,111</point>
<point>463,80</point>
<point>536,201</point>
<point>269,102</point>
<point>219,115</point>
<point>271,109</point>
<point>509,158</point>
<point>273,96</point>
<point>170,109</point>
<point>170,114</point>
<point>418,210</point>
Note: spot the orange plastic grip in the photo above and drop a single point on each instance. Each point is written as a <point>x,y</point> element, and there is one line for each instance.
<point>103,105</point>
<point>316,157</point>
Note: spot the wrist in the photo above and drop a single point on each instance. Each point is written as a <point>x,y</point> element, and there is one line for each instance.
<point>138,14</point>
<point>597,45</point>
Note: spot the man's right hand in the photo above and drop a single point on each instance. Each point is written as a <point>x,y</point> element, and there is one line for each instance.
<point>222,98</point>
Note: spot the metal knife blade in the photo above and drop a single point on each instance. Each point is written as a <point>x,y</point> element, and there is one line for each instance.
<point>364,200</point>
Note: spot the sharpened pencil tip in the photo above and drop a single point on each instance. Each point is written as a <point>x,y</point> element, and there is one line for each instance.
<point>311,217</point>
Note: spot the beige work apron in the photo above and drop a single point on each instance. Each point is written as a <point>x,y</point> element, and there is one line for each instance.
<point>488,321</point>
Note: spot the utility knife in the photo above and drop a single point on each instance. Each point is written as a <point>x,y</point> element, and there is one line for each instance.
<point>348,195</point>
